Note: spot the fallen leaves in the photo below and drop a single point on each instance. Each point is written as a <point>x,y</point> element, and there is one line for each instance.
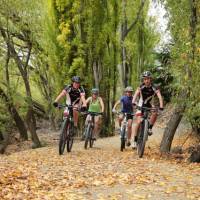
<point>94,174</point>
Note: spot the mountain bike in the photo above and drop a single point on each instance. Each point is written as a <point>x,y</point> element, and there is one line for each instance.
<point>67,129</point>
<point>124,129</point>
<point>143,129</point>
<point>89,129</point>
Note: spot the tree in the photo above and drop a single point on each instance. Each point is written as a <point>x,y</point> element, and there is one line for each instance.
<point>184,65</point>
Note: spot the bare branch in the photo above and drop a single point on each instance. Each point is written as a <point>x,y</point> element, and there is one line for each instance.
<point>136,19</point>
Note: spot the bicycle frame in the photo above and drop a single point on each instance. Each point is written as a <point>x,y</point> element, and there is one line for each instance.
<point>90,128</point>
<point>143,130</point>
<point>123,129</point>
<point>66,136</point>
<point>124,125</point>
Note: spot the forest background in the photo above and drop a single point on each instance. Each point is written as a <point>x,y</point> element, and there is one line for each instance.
<point>108,44</point>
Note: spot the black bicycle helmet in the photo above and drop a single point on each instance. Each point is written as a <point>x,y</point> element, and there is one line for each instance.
<point>76,79</point>
<point>95,91</point>
<point>146,74</point>
<point>128,89</point>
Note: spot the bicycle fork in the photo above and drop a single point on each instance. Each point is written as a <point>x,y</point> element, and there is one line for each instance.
<point>124,129</point>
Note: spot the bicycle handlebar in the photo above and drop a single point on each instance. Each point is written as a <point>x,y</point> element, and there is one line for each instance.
<point>67,106</point>
<point>92,113</point>
<point>142,108</point>
<point>126,113</point>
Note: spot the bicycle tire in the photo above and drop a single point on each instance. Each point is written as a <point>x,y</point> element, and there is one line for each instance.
<point>123,140</point>
<point>143,135</point>
<point>70,137</point>
<point>91,139</point>
<point>87,135</point>
<point>63,136</point>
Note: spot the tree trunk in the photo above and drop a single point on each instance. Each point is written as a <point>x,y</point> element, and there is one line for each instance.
<point>97,72</point>
<point>1,137</point>
<point>171,129</point>
<point>22,66</point>
<point>178,113</point>
<point>15,115</point>
<point>195,156</point>
<point>124,66</point>
<point>4,143</point>
<point>19,123</point>
<point>141,39</point>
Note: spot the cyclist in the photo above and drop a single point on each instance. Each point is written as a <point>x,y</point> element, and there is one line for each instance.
<point>146,92</point>
<point>75,95</point>
<point>96,104</point>
<point>127,107</point>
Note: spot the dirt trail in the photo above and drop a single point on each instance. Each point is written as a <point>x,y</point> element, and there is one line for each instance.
<point>99,173</point>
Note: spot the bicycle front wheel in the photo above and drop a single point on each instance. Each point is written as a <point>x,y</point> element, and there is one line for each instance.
<point>143,135</point>
<point>91,138</point>
<point>123,139</point>
<point>70,137</point>
<point>87,135</point>
<point>63,136</point>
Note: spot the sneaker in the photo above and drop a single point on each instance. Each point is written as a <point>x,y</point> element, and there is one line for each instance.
<point>150,132</point>
<point>128,143</point>
<point>134,145</point>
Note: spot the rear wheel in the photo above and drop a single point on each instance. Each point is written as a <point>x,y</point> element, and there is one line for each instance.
<point>142,138</point>
<point>70,138</point>
<point>123,139</point>
<point>87,135</point>
<point>63,136</point>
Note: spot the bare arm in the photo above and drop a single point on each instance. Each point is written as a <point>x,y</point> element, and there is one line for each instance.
<point>83,100</point>
<point>160,98</point>
<point>137,93</point>
<point>116,104</point>
<point>102,104</point>
<point>88,100</point>
<point>62,94</point>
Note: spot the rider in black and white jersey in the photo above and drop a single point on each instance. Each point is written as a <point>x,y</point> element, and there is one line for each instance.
<point>75,95</point>
<point>146,92</point>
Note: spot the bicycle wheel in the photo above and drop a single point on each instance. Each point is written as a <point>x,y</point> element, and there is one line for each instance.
<point>87,135</point>
<point>91,137</point>
<point>123,140</point>
<point>70,137</point>
<point>63,136</point>
<point>143,135</point>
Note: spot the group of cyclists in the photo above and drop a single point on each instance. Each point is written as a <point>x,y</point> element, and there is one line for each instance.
<point>75,95</point>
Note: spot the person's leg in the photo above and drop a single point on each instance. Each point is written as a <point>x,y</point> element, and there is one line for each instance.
<point>137,123</point>
<point>120,118</point>
<point>129,131</point>
<point>129,128</point>
<point>153,118</point>
<point>96,126</point>
<point>85,126</point>
<point>152,121</point>
<point>135,132</point>
<point>75,116</point>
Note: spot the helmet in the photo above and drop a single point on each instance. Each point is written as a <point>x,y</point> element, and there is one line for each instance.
<point>146,74</point>
<point>95,91</point>
<point>76,79</point>
<point>128,89</point>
